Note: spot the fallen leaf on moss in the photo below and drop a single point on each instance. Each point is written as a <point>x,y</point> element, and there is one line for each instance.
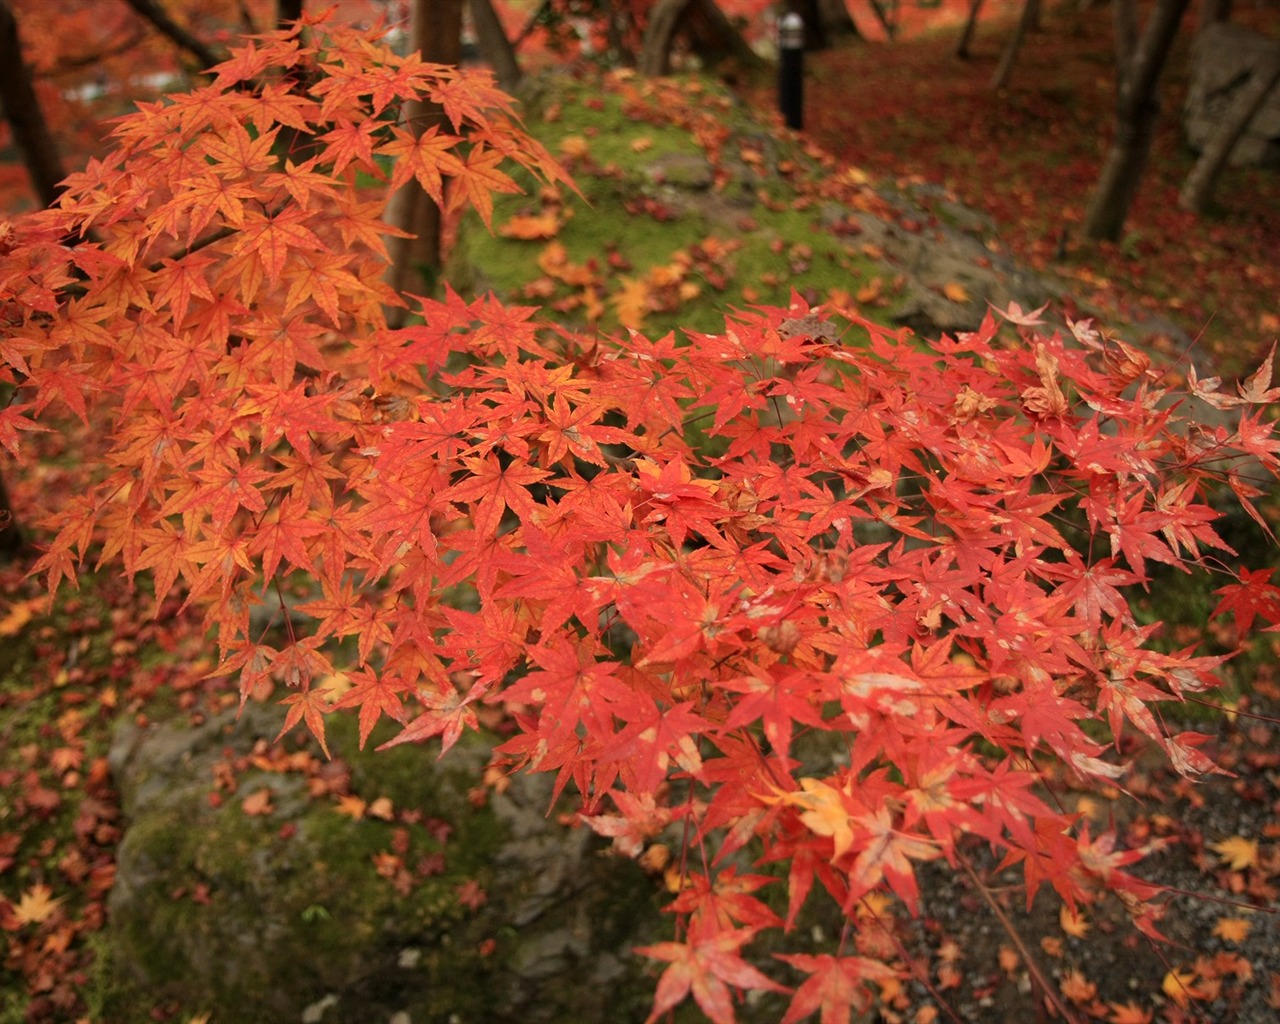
<point>36,905</point>
<point>352,806</point>
<point>528,227</point>
<point>18,616</point>
<point>258,803</point>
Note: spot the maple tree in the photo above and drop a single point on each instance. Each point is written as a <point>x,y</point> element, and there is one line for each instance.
<point>819,596</point>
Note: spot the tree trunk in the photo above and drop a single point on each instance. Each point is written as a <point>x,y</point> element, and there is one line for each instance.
<point>836,21</point>
<point>826,22</point>
<point>1212,12</point>
<point>1137,106</point>
<point>495,47</point>
<point>12,542</point>
<point>22,111</point>
<point>962,50</point>
<point>1204,175</point>
<point>436,33</point>
<point>1030,12</point>
<point>711,36</point>
<point>287,12</point>
<point>1124,15</point>
<point>155,15</point>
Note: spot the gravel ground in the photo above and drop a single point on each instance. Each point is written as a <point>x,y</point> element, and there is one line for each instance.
<point>1222,917</point>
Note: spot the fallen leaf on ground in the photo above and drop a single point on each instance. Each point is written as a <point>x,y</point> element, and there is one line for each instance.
<point>1232,929</point>
<point>1129,1013</point>
<point>1237,852</point>
<point>37,905</point>
<point>1073,922</point>
<point>258,803</point>
<point>18,616</point>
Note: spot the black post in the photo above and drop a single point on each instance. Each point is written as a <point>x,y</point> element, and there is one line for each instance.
<point>791,70</point>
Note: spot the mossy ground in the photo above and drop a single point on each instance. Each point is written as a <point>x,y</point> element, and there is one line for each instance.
<point>690,207</point>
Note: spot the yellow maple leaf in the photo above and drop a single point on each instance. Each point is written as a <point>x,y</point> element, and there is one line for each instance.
<point>37,905</point>
<point>632,302</point>
<point>641,144</point>
<point>1073,922</point>
<point>955,291</point>
<point>823,813</point>
<point>18,616</point>
<point>1178,985</point>
<point>352,806</point>
<point>1232,929</point>
<point>1237,852</point>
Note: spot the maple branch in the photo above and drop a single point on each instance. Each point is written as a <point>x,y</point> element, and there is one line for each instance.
<point>1050,993</point>
<point>151,12</point>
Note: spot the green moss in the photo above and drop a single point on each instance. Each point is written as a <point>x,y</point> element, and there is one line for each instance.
<point>648,202</point>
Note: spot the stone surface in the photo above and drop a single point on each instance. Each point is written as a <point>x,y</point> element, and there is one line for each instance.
<point>1225,54</point>
<point>283,916</point>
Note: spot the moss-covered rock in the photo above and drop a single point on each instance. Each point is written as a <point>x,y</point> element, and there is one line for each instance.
<point>693,205</point>
<point>447,911</point>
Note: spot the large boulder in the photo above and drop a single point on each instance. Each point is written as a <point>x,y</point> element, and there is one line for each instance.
<point>431,906</point>
<point>1225,57</point>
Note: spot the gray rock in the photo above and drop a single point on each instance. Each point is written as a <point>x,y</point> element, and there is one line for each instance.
<point>1225,55</point>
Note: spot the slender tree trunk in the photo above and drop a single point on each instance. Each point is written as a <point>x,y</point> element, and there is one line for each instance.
<point>1137,106</point>
<point>1204,175</point>
<point>12,542</point>
<point>962,50</point>
<point>154,14</point>
<point>659,35</point>
<point>837,22</point>
<point>287,12</point>
<point>22,111</point>
<point>530,25</point>
<point>1124,18</point>
<point>436,33</point>
<point>495,47</point>
<point>1030,11</point>
<point>826,22</point>
<point>711,36</point>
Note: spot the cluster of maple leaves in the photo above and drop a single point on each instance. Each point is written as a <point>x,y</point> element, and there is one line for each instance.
<point>813,594</point>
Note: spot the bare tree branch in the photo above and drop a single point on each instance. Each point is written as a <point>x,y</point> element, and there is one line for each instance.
<point>154,14</point>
